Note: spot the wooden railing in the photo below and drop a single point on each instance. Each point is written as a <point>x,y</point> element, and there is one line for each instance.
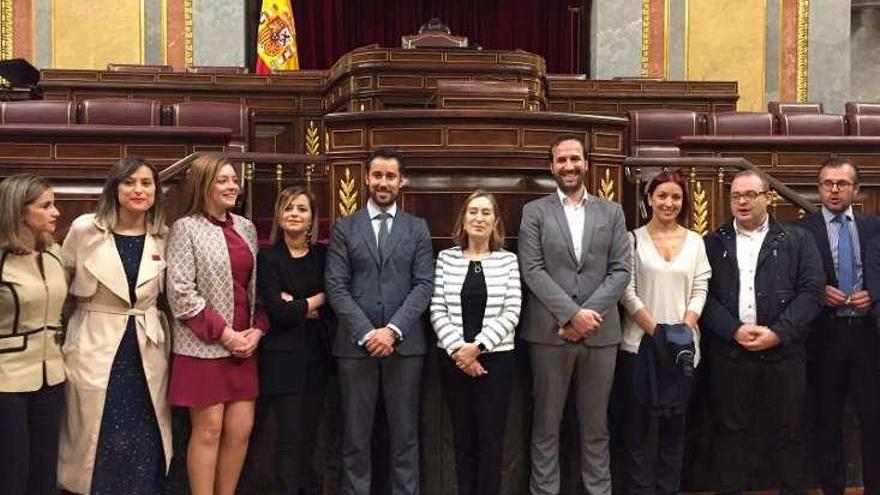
<point>707,179</point>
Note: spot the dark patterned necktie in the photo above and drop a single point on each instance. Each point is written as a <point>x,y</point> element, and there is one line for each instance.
<point>383,231</point>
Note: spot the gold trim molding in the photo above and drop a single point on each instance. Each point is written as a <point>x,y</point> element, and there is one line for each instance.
<point>188,32</point>
<point>6,26</point>
<point>646,36</point>
<point>313,141</point>
<point>700,221</point>
<point>606,186</point>
<point>803,49</point>
<point>347,194</point>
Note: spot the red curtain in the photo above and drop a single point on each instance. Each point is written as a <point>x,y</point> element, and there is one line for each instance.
<point>327,29</point>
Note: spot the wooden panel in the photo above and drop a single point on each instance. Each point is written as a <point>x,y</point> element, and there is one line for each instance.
<point>406,137</point>
<point>605,142</point>
<point>807,159</point>
<point>312,103</point>
<point>277,138</point>
<point>416,56</point>
<point>408,82</point>
<point>539,138</point>
<point>598,107</point>
<point>483,137</point>
<point>863,160</point>
<point>157,151</point>
<point>346,139</point>
<point>490,103</point>
<point>756,158</point>
<point>88,151</point>
<point>16,150</point>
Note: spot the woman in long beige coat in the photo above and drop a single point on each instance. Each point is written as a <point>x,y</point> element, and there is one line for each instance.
<point>116,435</point>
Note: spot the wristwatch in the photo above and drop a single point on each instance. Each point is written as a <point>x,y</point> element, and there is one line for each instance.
<point>481,347</point>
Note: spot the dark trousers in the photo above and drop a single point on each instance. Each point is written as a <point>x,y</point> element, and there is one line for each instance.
<point>842,361</point>
<point>397,381</point>
<point>478,410</point>
<point>30,424</point>
<point>298,417</point>
<point>648,470</point>
<point>742,388</point>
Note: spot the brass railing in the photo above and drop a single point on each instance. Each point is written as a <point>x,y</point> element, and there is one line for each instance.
<point>281,167</point>
<point>705,177</point>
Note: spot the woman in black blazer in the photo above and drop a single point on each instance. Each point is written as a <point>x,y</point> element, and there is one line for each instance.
<point>295,353</point>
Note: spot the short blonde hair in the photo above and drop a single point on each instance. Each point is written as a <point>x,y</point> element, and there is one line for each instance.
<point>16,193</point>
<point>107,212</point>
<point>496,238</point>
<point>199,180</point>
<point>284,199</point>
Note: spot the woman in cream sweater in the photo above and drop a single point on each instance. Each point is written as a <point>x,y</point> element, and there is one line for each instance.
<point>670,279</point>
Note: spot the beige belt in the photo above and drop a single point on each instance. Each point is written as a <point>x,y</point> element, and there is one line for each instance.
<point>146,319</point>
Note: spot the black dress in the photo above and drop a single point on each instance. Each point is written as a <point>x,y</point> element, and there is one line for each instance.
<point>295,359</point>
<point>129,457</point>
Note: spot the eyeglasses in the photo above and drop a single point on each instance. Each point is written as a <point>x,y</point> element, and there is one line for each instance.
<point>829,185</point>
<point>749,196</point>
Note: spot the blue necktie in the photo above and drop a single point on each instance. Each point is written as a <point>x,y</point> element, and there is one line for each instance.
<point>846,269</point>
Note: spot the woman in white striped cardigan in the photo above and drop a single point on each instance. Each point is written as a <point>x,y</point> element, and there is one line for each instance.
<point>474,311</point>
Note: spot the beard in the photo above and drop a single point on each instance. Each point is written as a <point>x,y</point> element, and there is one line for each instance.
<point>569,189</point>
<point>374,195</point>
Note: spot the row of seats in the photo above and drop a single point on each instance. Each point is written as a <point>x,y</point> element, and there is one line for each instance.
<point>193,69</point>
<point>852,108</point>
<point>121,111</point>
<point>654,132</point>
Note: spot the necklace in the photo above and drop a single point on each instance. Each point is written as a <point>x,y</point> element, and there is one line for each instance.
<point>478,267</point>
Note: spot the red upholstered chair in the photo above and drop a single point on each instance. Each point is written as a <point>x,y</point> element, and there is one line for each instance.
<point>119,111</point>
<point>864,125</point>
<point>742,124</point>
<point>215,114</point>
<point>37,112</point>
<point>216,69</point>
<point>778,108</point>
<point>653,132</point>
<point>149,69</point>
<point>812,125</point>
<point>859,108</point>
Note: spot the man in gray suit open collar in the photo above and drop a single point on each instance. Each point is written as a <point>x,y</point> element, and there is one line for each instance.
<point>574,256</point>
<point>379,281</point>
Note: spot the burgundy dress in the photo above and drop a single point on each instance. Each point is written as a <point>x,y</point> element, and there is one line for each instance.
<point>198,382</point>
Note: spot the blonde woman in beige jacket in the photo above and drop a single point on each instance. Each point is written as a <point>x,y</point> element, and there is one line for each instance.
<point>32,292</point>
<point>116,433</point>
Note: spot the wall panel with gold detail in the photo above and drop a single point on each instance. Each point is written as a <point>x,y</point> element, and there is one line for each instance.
<point>89,35</point>
<point>726,40</point>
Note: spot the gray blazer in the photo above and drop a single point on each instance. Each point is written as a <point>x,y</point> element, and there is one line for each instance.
<point>366,292</point>
<point>558,285</point>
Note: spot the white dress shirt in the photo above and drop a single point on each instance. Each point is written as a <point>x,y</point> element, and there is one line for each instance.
<point>575,216</point>
<point>373,210</point>
<point>748,246</point>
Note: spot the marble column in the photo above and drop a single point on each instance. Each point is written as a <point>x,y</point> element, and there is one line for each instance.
<point>615,39</point>
<point>829,70</point>
<point>865,57</point>
<point>218,32</point>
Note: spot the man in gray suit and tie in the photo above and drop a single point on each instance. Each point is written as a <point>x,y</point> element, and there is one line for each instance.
<point>574,256</point>
<point>379,281</point>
